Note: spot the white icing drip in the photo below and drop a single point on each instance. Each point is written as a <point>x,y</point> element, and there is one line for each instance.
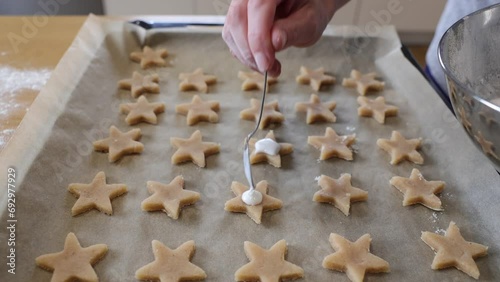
<point>267,146</point>
<point>251,197</point>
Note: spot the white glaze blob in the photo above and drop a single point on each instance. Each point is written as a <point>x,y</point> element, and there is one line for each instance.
<point>251,197</point>
<point>267,146</point>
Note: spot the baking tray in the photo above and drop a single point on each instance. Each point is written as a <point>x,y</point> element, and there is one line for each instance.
<point>52,148</point>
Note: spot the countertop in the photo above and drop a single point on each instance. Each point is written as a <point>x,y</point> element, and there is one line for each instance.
<point>30,49</point>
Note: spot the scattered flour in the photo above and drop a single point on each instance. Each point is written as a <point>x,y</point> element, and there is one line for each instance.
<point>440,231</point>
<point>350,128</point>
<point>434,217</point>
<point>316,179</point>
<point>13,80</point>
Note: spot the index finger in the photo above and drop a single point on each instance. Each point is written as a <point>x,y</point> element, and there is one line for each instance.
<point>260,22</point>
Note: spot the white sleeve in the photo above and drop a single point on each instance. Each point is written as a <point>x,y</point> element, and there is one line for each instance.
<point>453,11</point>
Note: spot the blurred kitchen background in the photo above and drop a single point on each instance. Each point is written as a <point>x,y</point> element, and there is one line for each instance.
<point>414,20</point>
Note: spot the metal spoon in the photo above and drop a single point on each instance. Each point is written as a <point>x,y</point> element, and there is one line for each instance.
<point>253,196</point>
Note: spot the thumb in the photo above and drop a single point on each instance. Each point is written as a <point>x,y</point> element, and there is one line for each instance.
<point>300,29</point>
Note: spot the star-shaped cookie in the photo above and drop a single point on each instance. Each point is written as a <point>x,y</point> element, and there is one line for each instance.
<point>142,111</point>
<point>193,149</point>
<point>316,78</point>
<point>95,195</point>
<point>254,80</point>
<point>465,120</point>
<point>376,108</point>
<point>452,250</point>
<point>140,84</point>
<point>488,118</point>
<point>453,91</point>
<point>171,265</point>
<point>196,81</point>
<point>199,110</point>
<point>119,144</point>
<point>285,148</point>
<point>331,145</point>
<point>339,192</point>
<point>270,113</point>
<point>355,258</point>
<point>74,262</point>
<point>363,82</point>
<point>149,57</point>
<point>417,190</point>
<point>317,111</point>
<point>169,198</point>
<point>254,212</point>
<point>486,145</point>
<point>469,101</point>
<point>267,265</point>
<point>401,149</point>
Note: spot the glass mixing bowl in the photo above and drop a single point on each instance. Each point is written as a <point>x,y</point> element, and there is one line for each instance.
<point>469,53</point>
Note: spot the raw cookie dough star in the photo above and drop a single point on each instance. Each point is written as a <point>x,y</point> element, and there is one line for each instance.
<point>315,78</point>
<point>363,82</point>
<point>268,203</point>
<point>149,57</point>
<point>452,250</point>
<point>140,84</point>
<point>169,197</point>
<point>270,113</point>
<point>401,149</point>
<point>196,81</point>
<point>254,80</point>
<point>96,195</point>
<point>486,145</point>
<point>142,111</point>
<point>119,144</point>
<point>267,265</point>
<point>317,111</point>
<point>193,149</point>
<point>376,109</point>
<point>74,262</point>
<point>171,265</point>
<point>417,190</point>
<point>331,145</point>
<point>199,110</point>
<point>339,192</point>
<point>355,258</point>
<point>285,148</point>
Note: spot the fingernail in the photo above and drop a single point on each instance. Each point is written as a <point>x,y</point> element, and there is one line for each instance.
<point>261,61</point>
<point>279,40</point>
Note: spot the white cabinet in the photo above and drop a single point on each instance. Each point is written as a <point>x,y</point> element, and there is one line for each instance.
<point>149,7</point>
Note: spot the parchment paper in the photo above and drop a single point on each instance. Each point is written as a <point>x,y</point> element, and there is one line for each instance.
<point>52,148</point>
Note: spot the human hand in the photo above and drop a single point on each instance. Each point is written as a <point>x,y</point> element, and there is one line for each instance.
<point>256,29</point>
